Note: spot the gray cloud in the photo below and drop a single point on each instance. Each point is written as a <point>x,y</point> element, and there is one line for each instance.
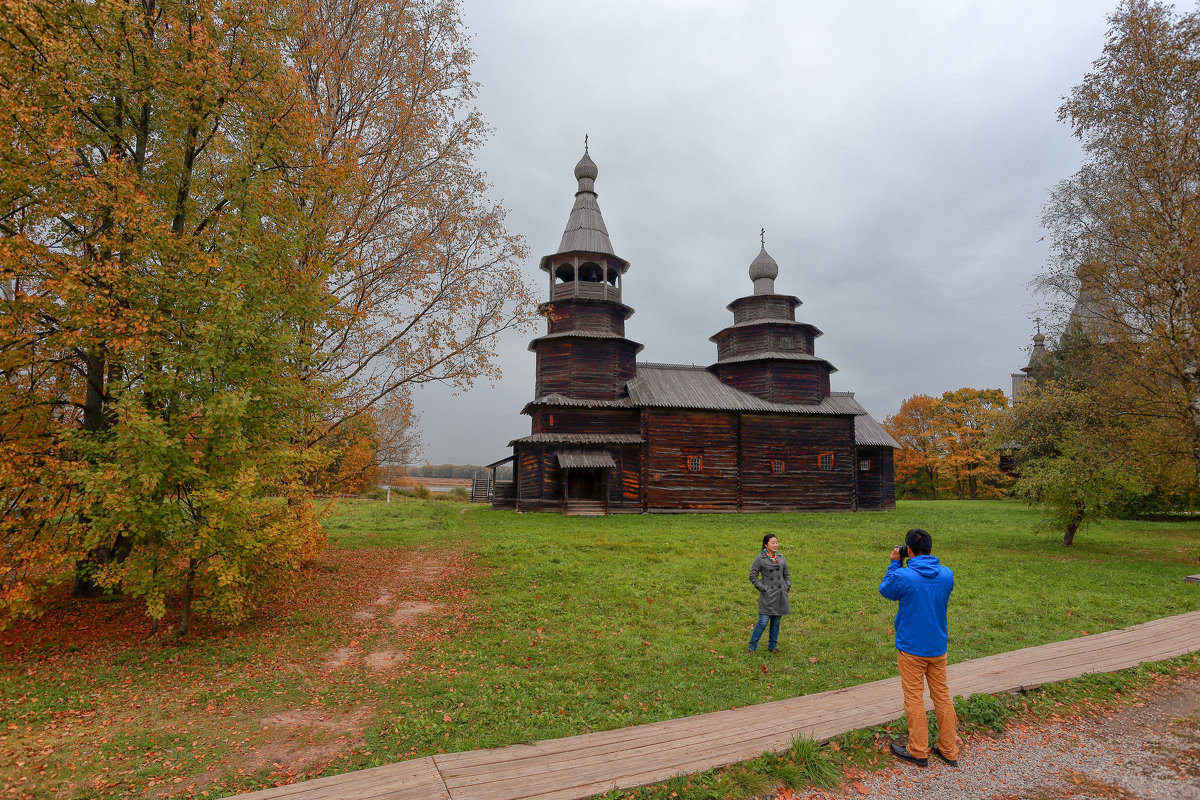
<point>897,153</point>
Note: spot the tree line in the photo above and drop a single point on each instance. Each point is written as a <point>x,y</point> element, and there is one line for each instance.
<point>1108,423</point>
<point>1111,425</point>
<point>233,237</point>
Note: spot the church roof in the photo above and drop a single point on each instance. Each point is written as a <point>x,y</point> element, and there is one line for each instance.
<point>778,355</point>
<point>683,386</point>
<point>585,227</point>
<point>579,438</point>
<point>869,433</point>
<point>582,459</point>
<point>583,335</point>
<point>763,266</point>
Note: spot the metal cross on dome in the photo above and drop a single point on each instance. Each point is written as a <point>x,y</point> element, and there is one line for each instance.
<point>762,237</point>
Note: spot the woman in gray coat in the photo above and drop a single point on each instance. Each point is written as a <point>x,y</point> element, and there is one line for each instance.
<point>770,575</point>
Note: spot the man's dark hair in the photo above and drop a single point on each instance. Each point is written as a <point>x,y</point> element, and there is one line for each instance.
<point>920,541</point>
<point>768,537</point>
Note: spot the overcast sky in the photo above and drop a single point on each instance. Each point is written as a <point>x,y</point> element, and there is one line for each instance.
<point>897,153</point>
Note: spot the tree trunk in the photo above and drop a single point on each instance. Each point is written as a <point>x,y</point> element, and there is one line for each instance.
<point>93,422</point>
<point>1069,533</point>
<point>98,417</point>
<point>1191,385</point>
<point>185,615</point>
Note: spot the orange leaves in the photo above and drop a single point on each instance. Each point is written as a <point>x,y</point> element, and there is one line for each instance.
<point>944,443</point>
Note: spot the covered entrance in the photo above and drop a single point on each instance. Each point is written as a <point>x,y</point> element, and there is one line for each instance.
<point>585,476</point>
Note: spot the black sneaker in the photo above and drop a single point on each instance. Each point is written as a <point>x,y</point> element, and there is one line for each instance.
<point>951,761</point>
<point>901,752</point>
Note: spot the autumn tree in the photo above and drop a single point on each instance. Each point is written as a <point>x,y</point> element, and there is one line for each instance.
<point>945,443</point>
<point>154,214</point>
<point>422,269</point>
<point>963,421</point>
<point>1125,229</point>
<point>918,461</point>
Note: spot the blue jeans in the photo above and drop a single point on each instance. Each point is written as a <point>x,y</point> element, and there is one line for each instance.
<point>773,639</point>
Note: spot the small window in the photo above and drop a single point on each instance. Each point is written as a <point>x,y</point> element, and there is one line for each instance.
<point>777,466</point>
<point>825,461</point>
<point>695,463</point>
<point>864,465</point>
<point>550,421</point>
<point>786,343</point>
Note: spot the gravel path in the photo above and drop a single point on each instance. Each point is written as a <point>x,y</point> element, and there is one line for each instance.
<point>1146,752</point>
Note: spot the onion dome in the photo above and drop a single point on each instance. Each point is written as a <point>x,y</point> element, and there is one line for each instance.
<point>763,271</point>
<point>586,168</point>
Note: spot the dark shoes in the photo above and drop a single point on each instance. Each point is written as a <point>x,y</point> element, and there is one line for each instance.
<point>901,752</point>
<point>951,761</point>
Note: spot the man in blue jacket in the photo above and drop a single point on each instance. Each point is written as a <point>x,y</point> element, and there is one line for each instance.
<point>923,589</point>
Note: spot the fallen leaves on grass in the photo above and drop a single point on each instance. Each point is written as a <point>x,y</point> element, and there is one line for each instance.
<point>99,706</point>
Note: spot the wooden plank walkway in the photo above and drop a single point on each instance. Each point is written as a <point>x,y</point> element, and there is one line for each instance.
<point>581,766</point>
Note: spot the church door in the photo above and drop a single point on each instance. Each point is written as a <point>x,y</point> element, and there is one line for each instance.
<point>585,484</point>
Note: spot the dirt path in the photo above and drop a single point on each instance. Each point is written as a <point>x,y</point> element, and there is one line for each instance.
<point>1150,751</point>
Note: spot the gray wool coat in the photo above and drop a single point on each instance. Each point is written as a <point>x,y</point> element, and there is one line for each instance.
<point>773,580</point>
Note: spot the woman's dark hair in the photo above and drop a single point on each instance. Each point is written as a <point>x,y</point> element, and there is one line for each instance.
<point>768,537</point>
<point>920,541</point>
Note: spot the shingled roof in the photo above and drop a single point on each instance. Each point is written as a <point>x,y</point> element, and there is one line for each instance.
<point>585,227</point>
<point>869,433</point>
<point>684,386</point>
<point>579,438</point>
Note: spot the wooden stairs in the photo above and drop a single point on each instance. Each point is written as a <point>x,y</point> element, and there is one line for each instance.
<point>481,490</point>
<point>585,508</point>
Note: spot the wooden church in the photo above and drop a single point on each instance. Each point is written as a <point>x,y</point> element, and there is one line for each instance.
<point>758,430</point>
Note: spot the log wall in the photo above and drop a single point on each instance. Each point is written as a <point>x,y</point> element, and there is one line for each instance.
<point>736,341</point>
<point>568,315</point>
<point>797,441</point>
<point>594,369</point>
<point>779,381</point>
<point>566,419</point>
<point>877,485</point>
<point>763,307</point>
<point>675,436</point>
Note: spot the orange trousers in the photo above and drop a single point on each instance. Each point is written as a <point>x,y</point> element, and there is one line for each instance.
<point>915,671</point>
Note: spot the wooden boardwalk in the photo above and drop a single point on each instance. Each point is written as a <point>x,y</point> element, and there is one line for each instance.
<point>582,766</point>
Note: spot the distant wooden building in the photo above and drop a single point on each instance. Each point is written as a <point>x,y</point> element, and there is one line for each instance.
<point>758,430</point>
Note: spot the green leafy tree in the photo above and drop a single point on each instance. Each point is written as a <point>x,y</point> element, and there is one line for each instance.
<point>154,192</point>
<point>1068,460</point>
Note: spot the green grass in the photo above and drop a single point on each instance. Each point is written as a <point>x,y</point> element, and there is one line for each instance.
<point>572,625</point>
<point>594,623</point>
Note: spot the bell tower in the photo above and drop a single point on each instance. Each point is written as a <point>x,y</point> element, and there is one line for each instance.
<point>584,354</point>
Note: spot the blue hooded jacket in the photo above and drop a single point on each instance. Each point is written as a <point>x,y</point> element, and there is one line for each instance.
<point>923,590</point>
